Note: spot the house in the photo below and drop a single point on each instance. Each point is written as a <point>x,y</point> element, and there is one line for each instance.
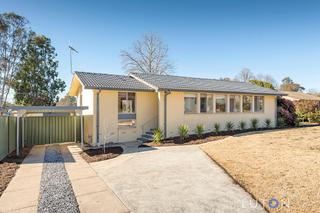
<point>297,96</point>
<point>124,107</point>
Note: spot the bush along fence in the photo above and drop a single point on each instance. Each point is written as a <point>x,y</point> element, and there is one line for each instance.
<point>37,131</point>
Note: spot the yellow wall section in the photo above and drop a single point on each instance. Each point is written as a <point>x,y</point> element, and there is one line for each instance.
<point>176,115</point>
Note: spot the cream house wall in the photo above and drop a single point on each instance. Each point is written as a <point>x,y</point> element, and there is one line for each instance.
<point>176,115</point>
<point>146,116</point>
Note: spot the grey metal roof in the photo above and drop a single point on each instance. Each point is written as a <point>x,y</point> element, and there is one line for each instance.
<point>179,83</point>
<point>110,81</point>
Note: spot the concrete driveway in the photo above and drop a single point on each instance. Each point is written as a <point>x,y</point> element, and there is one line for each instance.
<point>173,179</point>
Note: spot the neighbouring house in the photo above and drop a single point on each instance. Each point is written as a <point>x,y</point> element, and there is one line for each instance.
<point>297,96</point>
<point>124,108</point>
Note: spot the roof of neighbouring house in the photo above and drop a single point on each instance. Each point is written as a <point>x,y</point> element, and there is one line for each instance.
<point>301,96</point>
<point>110,81</point>
<point>154,82</point>
<point>180,83</point>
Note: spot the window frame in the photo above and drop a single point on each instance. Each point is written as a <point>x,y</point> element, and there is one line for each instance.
<point>190,95</point>
<point>263,103</point>
<point>250,103</point>
<point>239,109</point>
<point>225,103</point>
<point>132,116</point>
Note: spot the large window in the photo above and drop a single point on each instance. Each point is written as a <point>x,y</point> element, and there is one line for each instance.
<point>220,103</point>
<point>258,103</point>
<point>206,103</point>
<point>190,103</point>
<point>126,108</point>
<point>247,103</point>
<point>234,103</point>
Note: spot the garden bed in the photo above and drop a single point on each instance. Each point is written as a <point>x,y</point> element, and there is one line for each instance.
<point>208,137</point>
<point>8,167</point>
<point>94,155</point>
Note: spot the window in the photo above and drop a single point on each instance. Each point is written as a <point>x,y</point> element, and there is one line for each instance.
<point>247,103</point>
<point>126,109</point>
<point>206,103</point>
<point>190,103</point>
<point>220,103</point>
<point>234,103</point>
<point>258,103</point>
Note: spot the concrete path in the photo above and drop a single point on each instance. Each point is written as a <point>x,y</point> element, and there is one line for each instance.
<point>91,192</point>
<point>173,179</point>
<point>22,193</point>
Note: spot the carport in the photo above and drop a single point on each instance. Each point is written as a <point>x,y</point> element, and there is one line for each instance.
<point>21,112</point>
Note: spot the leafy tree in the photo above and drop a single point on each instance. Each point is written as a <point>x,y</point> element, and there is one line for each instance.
<point>245,75</point>
<point>289,85</point>
<point>37,82</point>
<point>67,101</point>
<point>150,55</point>
<point>262,84</point>
<point>13,37</point>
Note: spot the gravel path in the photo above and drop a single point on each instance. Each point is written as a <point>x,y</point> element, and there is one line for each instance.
<point>56,193</point>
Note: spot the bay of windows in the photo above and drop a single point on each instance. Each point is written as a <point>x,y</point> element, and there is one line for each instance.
<point>206,103</point>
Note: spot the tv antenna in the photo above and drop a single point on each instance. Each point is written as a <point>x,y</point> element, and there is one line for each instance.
<point>72,50</point>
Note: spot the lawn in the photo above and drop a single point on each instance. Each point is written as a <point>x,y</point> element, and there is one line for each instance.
<point>282,165</point>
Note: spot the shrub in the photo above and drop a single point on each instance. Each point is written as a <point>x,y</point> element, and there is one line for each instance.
<point>242,125</point>
<point>183,131</point>
<point>254,123</point>
<point>199,130</point>
<point>157,135</point>
<point>229,126</point>
<point>216,127</point>
<point>287,112</point>
<point>267,123</point>
<point>281,122</point>
<point>307,110</point>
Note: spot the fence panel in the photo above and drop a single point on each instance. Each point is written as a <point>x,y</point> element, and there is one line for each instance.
<point>51,129</point>
<point>4,143</point>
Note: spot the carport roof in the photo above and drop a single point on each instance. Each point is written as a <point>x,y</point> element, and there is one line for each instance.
<point>41,109</point>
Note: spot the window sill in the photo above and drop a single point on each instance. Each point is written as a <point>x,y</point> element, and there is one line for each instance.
<point>127,127</point>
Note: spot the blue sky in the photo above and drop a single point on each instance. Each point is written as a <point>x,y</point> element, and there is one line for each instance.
<point>205,38</point>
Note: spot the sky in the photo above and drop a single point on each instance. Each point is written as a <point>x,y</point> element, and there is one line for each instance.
<point>205,38</point>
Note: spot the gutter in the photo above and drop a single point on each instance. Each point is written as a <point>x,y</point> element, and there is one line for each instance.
<point>166,93</point>
<point>97,118</point>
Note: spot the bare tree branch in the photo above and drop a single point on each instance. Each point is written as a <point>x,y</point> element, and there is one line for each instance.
<point>147,56</point>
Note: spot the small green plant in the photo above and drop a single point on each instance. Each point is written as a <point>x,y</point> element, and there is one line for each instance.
<point>242,125</point>
<point>216,127</point>
<point>281,122</point>
<point>254,123</point>
<point>157,135</point>
<point>183,131</point>
<point>229,126</point>
<point>267,123</point>
<point>199,130</point>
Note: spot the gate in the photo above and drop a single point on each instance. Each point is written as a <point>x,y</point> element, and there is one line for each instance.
<point>50,129</point>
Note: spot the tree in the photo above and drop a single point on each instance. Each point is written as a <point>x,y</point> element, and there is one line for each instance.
<point>67,101</point>
<point>289,85</point>
<point>13,37</point>
<point>245,75</point>
<point>37,82</point>
<point>262,83</point>
<point>267,78</point>
<point>150,55</point>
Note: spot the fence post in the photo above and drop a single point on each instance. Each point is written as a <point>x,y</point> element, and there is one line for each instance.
<point>8,126</point>
<point>18,136</point>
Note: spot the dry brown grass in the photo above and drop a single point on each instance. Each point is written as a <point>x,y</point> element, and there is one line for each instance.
<point>281,164</point>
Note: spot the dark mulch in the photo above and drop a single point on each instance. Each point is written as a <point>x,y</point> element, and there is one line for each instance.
<point>94,155</point>
<point>8,167</point>
<point>207,137</point>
